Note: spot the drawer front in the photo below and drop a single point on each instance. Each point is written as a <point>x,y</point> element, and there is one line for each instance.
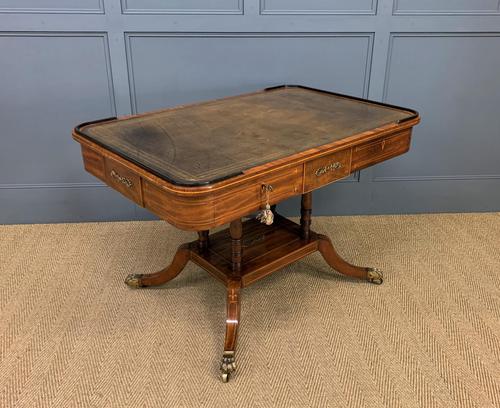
<point>381,149</point>
<point>93,163</point>
<point>123,179</point>
<point>251,196</point>
<point>326,169</point>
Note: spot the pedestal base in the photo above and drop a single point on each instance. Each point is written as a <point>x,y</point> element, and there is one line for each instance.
<point>259,250</point>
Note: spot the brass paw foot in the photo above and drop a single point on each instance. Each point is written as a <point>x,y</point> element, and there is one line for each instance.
<point>375,276</point>
<point>227,366</point>
<point>134,280</point>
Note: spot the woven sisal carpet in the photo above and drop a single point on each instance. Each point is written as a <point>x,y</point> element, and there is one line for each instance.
<point>73,335</point>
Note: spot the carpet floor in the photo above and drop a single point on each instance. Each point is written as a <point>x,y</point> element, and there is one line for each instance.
<point>73,335</point>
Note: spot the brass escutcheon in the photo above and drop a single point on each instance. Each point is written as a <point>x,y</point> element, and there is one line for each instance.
<point>267,188</point>
<point>327,168</point>
<point>124,180</point>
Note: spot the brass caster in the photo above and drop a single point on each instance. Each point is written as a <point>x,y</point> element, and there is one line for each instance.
<point>375,276</point>
<point>134,280</point>
<point>227,366</point>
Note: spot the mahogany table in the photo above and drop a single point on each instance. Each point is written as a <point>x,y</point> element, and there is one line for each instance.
<point>207,164</point>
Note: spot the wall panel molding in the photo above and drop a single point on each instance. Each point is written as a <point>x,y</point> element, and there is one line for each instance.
<point>47,91</point>
<point>51,7</point>
<point>308,8</point>
<point>438,178</point>
<point>50,185</point>
<point>65,34</point>
<point>131,35</point>
<point>492,7</point>
<point>236,8</point>
<point>424,34</point>
<point>430,178</point>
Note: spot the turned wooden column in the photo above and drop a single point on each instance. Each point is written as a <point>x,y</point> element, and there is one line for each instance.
<point>305,215</point>
<point>203,240</point>
<point>236,231</point>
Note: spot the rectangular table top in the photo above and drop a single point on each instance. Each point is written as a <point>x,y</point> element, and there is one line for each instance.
<point>207,142</point>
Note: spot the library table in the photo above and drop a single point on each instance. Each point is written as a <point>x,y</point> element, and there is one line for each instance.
<point>203,165</point>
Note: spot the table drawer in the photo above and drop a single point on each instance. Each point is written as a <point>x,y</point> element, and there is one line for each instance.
<point>251,196</point>
<point>381,149</point>
<point>326,169</point>
<point>123,179</point>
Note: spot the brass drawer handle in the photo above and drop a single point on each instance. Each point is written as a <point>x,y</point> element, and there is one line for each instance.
<point>124,180</point>
<point>266,215</point>
<point>329,167</point>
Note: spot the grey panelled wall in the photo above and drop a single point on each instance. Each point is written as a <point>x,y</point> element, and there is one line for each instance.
<point>64,62</point>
